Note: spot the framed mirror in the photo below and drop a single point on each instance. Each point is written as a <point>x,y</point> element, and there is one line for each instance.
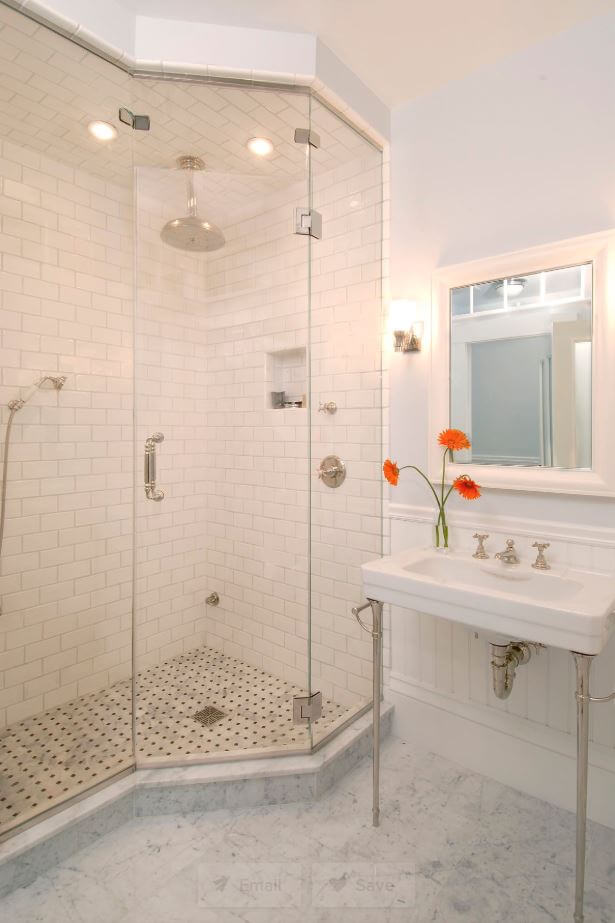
<point>523,351</point>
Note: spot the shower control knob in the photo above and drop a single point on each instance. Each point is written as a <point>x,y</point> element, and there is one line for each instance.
<point>332,471</point>
<point>327,407</point>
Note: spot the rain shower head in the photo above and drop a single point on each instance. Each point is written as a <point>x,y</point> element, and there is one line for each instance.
<point>192,232</point>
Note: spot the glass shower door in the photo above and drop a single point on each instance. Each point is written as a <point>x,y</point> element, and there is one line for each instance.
<point>222,326</point>
<point>346,409</point>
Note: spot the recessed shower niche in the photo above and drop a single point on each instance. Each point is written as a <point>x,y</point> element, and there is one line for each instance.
<point>286,378</point>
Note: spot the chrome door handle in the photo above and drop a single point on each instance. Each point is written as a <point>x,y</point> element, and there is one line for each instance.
<point>149,469</point>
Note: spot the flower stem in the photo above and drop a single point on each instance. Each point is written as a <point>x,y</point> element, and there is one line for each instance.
<point>425,478</point>
<point>442,500</point>
<point>448,493</point>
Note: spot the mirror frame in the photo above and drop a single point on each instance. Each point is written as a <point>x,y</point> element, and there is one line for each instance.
<point>599,249</point>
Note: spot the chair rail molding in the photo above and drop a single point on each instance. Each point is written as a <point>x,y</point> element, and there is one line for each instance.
<point>569,532</point>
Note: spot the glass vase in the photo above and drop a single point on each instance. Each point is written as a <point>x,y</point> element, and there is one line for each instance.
<point>441,532</point>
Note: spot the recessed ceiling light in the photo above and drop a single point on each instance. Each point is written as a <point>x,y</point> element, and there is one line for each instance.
<point>102,131</point>
<point>260,146</point>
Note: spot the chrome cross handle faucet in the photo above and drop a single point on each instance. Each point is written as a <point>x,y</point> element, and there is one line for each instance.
<point>541,562</point>
<point>509,555</point>
<point>480,548</point>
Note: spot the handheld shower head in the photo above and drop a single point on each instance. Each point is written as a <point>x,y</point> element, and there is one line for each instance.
<point>56,381</point>
<point>47,382</point>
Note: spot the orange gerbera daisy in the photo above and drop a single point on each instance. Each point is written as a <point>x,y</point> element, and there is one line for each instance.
<point>468,488</point>
<point>391,472</point>
<point>454,440</point>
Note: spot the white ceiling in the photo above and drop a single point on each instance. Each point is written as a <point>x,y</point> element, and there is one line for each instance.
<point>399,48</point>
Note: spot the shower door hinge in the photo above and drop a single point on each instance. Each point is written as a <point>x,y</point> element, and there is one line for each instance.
<point>308,221</point>
<point>307,708</point>
<point>138,122</point>
<point>307,136</point>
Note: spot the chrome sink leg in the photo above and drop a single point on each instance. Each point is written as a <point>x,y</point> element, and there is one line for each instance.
<point>376,693</point>
<point>375,630</point>
<point>582,664</point>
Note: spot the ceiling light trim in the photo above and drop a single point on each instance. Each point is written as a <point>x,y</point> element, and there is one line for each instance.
<point>102,130</point>
<point>260,146</point>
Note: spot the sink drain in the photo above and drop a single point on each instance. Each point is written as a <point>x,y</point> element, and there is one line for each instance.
<point>209,715</point>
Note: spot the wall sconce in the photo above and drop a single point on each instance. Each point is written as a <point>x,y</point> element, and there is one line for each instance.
<point>406,328</point>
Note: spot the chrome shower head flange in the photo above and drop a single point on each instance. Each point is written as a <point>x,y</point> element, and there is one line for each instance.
<point>190,162</point>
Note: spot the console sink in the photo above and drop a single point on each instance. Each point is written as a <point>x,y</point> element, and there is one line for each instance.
<point>561,607</point>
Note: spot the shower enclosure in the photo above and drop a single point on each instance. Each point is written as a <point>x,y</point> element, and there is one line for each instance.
<point>176,579</point>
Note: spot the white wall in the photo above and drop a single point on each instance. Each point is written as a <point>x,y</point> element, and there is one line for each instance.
<point>517,154</point>
<point>231,47</point>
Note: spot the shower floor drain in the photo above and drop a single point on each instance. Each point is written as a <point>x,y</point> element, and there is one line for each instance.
<point>209,715</point>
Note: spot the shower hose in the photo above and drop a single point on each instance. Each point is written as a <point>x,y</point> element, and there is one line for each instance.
<point>7,441</point>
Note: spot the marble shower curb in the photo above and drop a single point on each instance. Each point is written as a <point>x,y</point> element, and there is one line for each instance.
<point>148,792</point>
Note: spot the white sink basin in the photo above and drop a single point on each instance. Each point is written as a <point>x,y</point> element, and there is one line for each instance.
<point>561,607</point>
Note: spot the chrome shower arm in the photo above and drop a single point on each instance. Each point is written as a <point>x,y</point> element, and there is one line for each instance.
<point>191,194</point>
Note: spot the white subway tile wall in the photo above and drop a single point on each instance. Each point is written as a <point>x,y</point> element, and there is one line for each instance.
<point>234,518</point>
<point>236,515</point>
<point>66,308</point>
<point>237,474</point>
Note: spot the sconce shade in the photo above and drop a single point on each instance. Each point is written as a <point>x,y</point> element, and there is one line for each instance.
<point>406,329</point>
<point>402,312</point>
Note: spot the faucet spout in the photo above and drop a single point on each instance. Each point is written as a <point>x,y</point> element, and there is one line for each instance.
<point>509,555</point>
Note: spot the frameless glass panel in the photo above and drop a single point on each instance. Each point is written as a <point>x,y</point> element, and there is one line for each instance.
<point>221,373</point>
<point>66,395</point>
<point>521,375</point>
<point>346,335</point>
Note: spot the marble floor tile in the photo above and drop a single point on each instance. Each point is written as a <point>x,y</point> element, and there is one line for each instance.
<point>452,846</point>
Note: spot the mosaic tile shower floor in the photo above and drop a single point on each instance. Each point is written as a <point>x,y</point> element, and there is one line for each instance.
<point>55,755</point>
